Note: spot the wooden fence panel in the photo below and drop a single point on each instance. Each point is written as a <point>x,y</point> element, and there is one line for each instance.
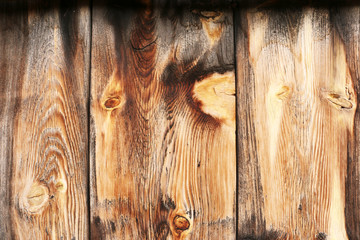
<point>163,123</point>
<point>297,82</point>
<point>182,146</point>
<point>44,64</point>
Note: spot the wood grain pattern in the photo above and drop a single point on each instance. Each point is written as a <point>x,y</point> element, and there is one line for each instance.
<point>302,119</point>
<point>170,156</point>
<point>11,29</point>
<point>347,23</point>
<point>163,124</point>
<point>44,71</point>
<point>250,216</point>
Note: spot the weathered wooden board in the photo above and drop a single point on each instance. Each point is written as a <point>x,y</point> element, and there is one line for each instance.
<point>44,64</point>
<point>347,23</point>
<point>162,124</point>
<point>250,203</point>
<point>297,83</point>
<point>163,148</point>
<point>10,61</point>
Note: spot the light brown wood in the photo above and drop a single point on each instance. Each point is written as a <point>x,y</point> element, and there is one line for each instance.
<point>303,112</point>
<point>163,133</point>
<point>45,66</point>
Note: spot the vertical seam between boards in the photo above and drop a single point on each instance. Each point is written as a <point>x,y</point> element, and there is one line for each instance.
<point>90,8</point>
<point>236,124</point>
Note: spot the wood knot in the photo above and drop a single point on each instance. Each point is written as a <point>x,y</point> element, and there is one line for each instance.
<point>113,96</point>
<point>283,92</point>
<point>112,103</point>
<point>36,198</point>
<point>181,223</point>
<point>338,101</point>
<point>214,15</point>
<point>61,186</point>
<point>212,24</point>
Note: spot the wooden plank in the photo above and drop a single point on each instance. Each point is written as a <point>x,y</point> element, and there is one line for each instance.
<point>44,91</point>
<point>163,124</point>
<point>347,23</point>
<point>251,222</point>
<point>10,61</point>
<point>299,127</point>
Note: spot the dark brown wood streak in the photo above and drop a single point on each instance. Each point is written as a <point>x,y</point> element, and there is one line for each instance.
<point>163,124</point>
<point>251,222</point>
<point>12,28</point>
<point>347,23</point>
<point>44,64</point>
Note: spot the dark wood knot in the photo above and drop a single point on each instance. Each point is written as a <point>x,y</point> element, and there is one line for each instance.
<point>181,223</point>
<point>112,102</point>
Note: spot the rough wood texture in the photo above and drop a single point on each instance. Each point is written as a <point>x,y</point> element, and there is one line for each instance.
<point>11,60</point>
<point>163,124</point>
<point>44,64</point>
<point>251,222</point>
<point>347,23</point>
<point>163,149</point>
<point>300,125</point>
